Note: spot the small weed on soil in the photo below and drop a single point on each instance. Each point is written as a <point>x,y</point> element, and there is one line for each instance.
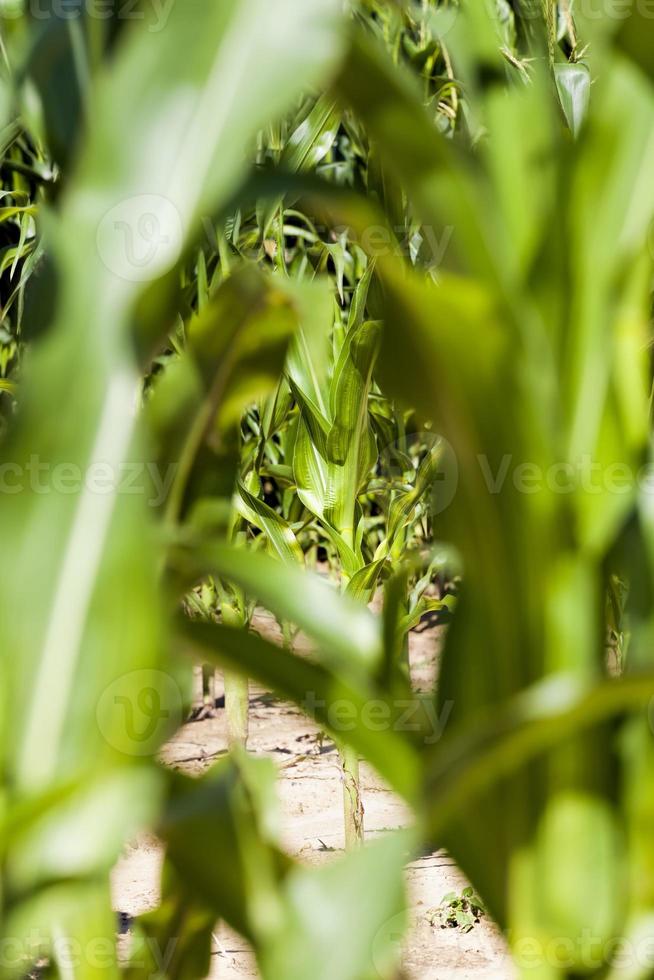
<point>460,912</point>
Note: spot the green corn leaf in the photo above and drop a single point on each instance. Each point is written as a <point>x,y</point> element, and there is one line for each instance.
<point>313,138</point>
<point>283,542</point>
<point>307,366</point>
<point>235,352</point>
<point>351,559</point>
<point>436,178</point>
<point>308,144</point>
<point>315,688</point>
<point>424,606</point>
<point>310,469</point>
<point>342,629</point>
<point>329,473</point>
<point>403,505</point>
<point>276,409</point>
<point>238,875</point>
<point>345,917</point>
<point>7,213</point>
<point>534,722</point>
<point>363,583</point>
<point>573,86</point>
<point>315,421</point>
<point>280,906</point>
<point>349,389</point>
<point>166,144</point>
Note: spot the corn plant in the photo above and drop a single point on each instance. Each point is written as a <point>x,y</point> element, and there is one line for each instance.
<point>524,346</point>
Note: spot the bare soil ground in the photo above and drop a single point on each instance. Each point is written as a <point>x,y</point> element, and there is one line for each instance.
<point>310,794</point>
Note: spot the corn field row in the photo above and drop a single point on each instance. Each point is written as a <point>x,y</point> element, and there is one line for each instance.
<point>341,310</point>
